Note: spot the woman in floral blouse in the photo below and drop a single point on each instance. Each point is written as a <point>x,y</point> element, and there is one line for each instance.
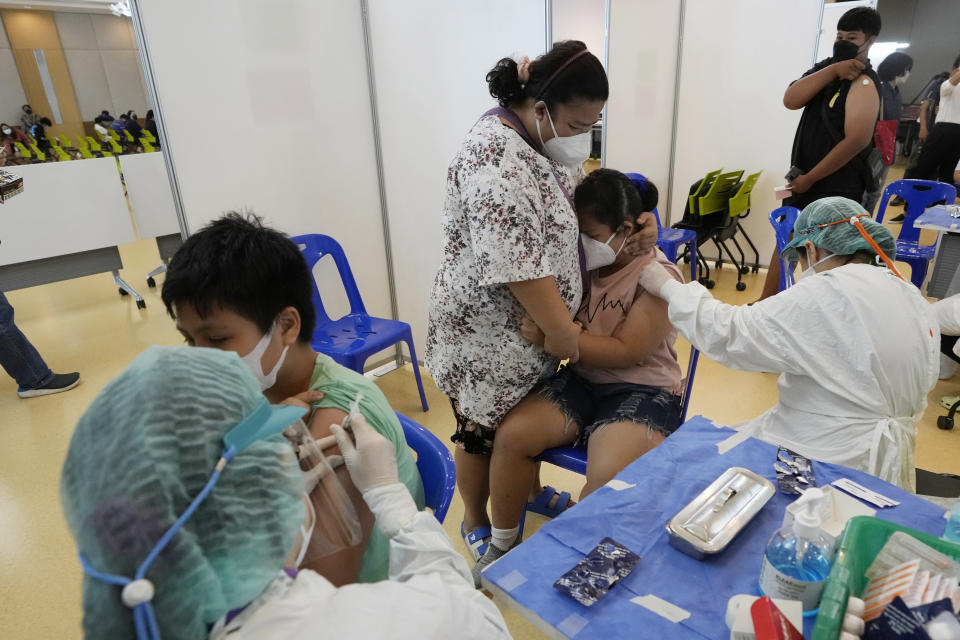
<point>510,248</point>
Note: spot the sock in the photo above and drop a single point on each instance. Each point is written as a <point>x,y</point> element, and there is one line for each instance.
<point>503,539</point>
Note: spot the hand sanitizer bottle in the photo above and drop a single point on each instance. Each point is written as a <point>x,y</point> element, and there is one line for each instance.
<point>795,563</point>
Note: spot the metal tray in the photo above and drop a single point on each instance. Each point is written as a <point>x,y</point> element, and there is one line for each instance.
<point>711,520</point>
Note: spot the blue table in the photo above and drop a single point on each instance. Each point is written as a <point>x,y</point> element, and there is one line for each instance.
<point>938,218</point>
<point>943,280</point>
<point>665,480</point>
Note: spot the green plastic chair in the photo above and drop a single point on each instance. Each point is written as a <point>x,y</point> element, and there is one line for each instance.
<point>149,137</point>
<point>129,136</point>
<point>84,148</point>
<point>705,183</point>
<point>24,151</point>
<point>95,146</point>
<point>715,200</point>
<point>41,156</point>
<point>61,154</point>
<point>147,147</point>
<point>738,206</point>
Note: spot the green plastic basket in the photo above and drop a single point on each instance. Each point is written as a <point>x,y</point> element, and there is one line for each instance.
<point>861,542</point>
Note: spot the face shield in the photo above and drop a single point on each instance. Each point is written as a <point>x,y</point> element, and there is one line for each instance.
<point>332,524</point>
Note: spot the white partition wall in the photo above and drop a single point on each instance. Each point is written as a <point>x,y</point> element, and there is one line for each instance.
<point>65,207</point>
<point>431,57</point>
<point>733,75</point>
<point>642,67</point>
<point>149,192</point>
<point>266,108</point>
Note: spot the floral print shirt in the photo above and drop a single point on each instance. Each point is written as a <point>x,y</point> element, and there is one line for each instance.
<point>505,219</point>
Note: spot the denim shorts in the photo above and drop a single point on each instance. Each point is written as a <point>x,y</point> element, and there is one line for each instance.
<point>592,405</point>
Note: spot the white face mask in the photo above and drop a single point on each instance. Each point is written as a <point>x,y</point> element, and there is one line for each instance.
<point>809,271</point>
<point>600,254</point>
<point>902,79</point>
<point>252,360</point>
<point>7,131</point>
<point>571,151</point>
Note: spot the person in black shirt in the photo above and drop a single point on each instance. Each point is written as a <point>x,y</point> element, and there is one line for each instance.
<point>39,133</point>
<point>892,72</point>
<point>841,105</point>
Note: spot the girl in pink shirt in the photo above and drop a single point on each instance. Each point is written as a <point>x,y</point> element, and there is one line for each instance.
<point>621,399</point>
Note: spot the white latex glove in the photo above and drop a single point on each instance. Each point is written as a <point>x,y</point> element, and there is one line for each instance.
<point>313,477</point>
<point>653,276</point>
<point>370,458</point>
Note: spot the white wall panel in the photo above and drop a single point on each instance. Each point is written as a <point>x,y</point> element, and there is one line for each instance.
<point>584,20</point>
<point>731,111</point>
<point>65,207</point>
<point>314,175</point>
<point>113,32</point>
<point>125,81</point>
<point>151,200</point>
<point>89,82</point>
<point>75,30</point>
<point>430,91</point>
<point>642,72</point>
<point>11,95</point>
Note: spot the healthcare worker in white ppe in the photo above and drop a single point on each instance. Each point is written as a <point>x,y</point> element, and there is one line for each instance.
<point>857,347</point>
<point>188,508</point>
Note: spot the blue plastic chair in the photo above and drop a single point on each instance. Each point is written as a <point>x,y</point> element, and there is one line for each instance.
<point>669,240</point>
<point>358,335</point>
<point>919,195</point>
<point>784,219</point>
<point>575,458</point>
<point>435,465</point>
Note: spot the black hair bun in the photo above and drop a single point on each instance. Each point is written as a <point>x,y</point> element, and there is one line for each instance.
<point>503,82</point>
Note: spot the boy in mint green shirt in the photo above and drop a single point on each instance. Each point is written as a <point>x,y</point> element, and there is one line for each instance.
<point>239,286</point>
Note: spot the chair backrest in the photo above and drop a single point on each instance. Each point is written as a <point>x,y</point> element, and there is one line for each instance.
<point>717,197</point>
<point>783,220</point>
<point>702,188</point>
<point>919,195</point>
<point>315,246</point>
<point>740,201</point>
<point>36,151</point>
<point>435,465</point>
<point>24,151</point>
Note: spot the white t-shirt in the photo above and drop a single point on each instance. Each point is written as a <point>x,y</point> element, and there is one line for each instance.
<point>949,110</point>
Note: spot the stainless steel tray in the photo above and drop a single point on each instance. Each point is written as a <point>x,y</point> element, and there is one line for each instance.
<point>711,520</point>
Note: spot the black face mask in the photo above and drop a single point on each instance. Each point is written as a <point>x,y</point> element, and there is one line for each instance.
<point>845,50</point>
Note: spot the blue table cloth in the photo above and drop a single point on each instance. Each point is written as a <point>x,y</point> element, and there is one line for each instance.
<point>665,480</point>
<point>938,218</point>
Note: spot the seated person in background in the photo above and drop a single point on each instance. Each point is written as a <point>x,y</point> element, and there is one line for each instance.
<point>856,345</point>
<point>151,125</point>
<point>39,133</point>
<point>621,399</point>
<point>9,154</point>
<point>28,118</point>
<point>134,127</point>
<point>239,286</point>
<point>222,574</point>
<point>118,125</point>
<point>100,129</point>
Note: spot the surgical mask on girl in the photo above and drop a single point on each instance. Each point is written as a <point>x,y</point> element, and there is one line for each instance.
<point>252,360</point>
<point>7,131</point>
<point>570,151</point>
<point>600,254</point>
<point>809,271</point>
<point>901,80</point>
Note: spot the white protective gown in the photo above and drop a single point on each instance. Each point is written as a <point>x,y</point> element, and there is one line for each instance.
<point>857,349</point>
<point>429,593</point>
<point>948,315</point>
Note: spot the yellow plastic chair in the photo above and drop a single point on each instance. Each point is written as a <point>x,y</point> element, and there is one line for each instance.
<point>24,151</point>
<point>41,156</point>
<point>149,137</point>
<point>129,136</point>
<point>61,154</point>
<point>96,148</point>
<point>147,147</point>
<point>84,148</point>
<point>115,147</point>
<point>715,200</point>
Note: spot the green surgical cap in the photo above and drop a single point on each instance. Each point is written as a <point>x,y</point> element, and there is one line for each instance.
<point>141,452</point>
<point>842,239</point>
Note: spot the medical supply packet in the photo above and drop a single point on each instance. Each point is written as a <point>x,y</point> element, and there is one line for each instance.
<point>902,547</point>
<point>592,577</point>
<point>794,472</point>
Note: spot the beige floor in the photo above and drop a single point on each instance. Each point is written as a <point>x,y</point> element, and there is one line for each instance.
<point>83,325</point>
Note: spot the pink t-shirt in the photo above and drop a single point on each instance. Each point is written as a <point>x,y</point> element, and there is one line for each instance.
<point>604,309</point>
